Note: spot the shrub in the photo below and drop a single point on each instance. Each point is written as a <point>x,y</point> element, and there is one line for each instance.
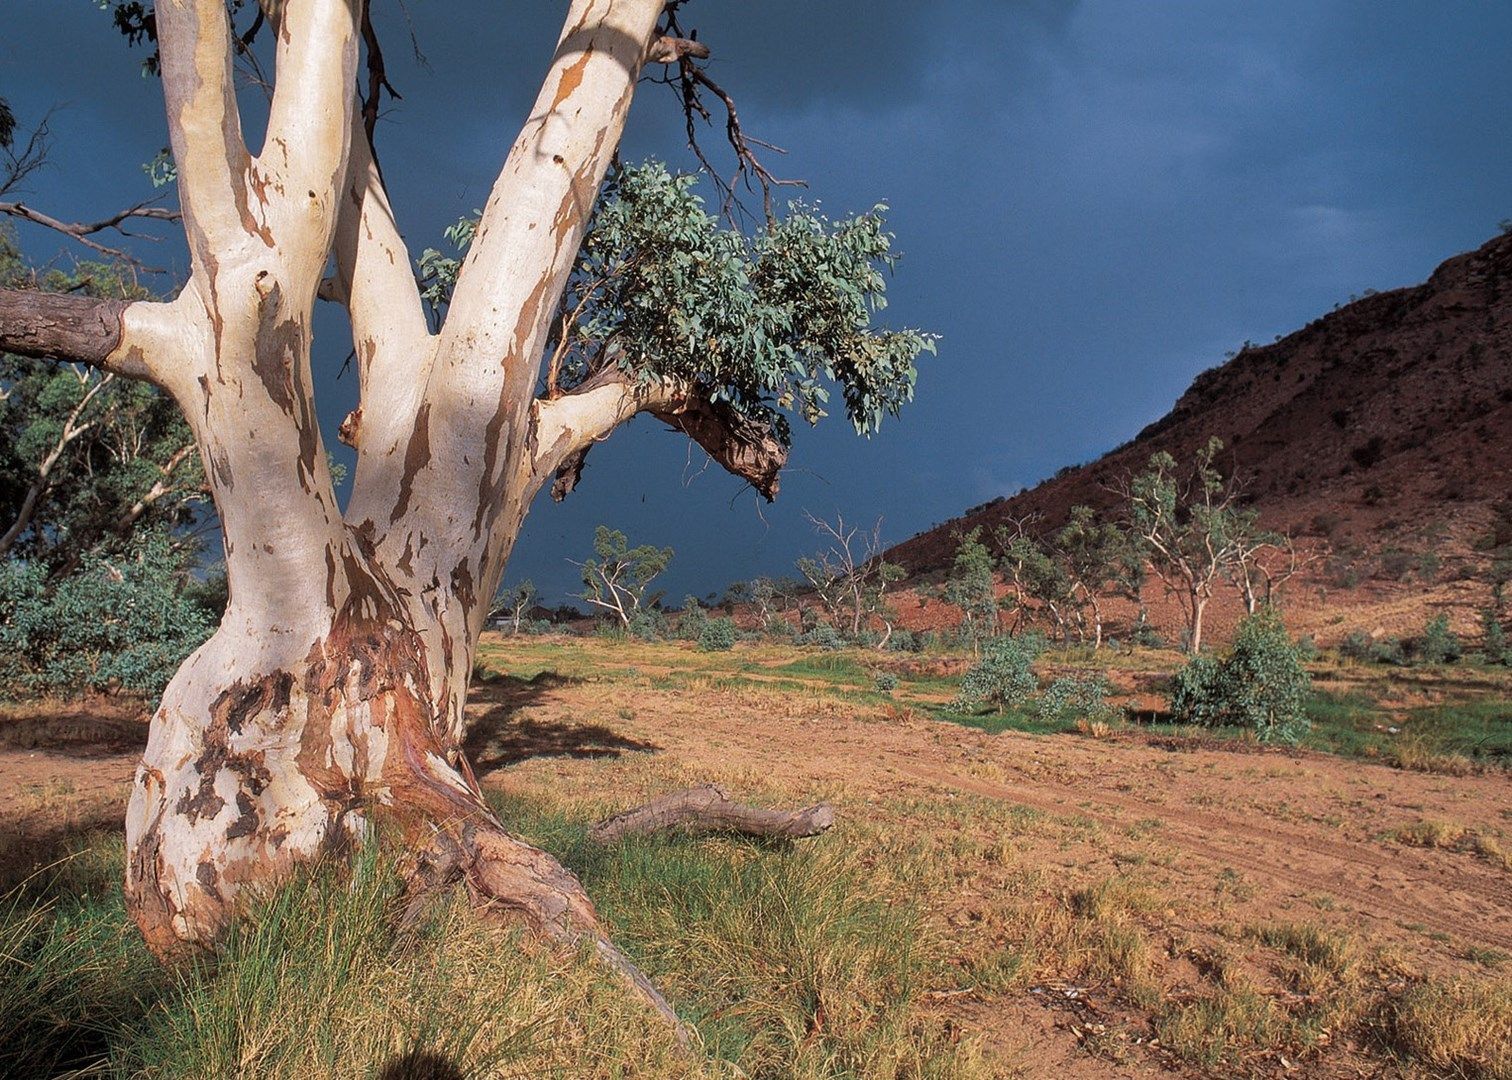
<point>1003,678</point>
<point>1261,685</point>
<point>885,681</point>
<point>1073,698</point>
<point>717,635</point>
<point>1194,692</point>
<point>1439,644</point>
<point>690,623</point>
<point>648,624</point>
<point>1145,635</point>
<point>903,641</point>
<point>1494,638</point>
<point>1388,651</point>
<point>822,636</point>
<point>1357,646</point>
<point>122,624</point>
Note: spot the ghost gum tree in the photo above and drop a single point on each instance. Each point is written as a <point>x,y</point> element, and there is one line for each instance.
<point>329,703</point>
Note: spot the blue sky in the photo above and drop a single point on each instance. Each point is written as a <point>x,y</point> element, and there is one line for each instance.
<point>1096,200</point>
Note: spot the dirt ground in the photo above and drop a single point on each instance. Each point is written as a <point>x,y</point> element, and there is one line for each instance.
<point>1222,839</point>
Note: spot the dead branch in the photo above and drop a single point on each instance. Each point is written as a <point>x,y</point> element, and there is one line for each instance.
<point>685,50</point>
<point>82,231</point>
<point>708,808</point>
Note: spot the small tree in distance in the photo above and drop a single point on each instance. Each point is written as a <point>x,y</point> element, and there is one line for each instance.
<point>971,587</point>
<point>850,577</point>
<point>618,578</point>
<point>513,604</point>
<point>1190,528</point>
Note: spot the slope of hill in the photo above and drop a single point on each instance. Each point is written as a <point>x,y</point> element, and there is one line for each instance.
<point>1383,426</point>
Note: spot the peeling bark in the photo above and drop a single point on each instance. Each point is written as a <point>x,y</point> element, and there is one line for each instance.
<point>329,703</point>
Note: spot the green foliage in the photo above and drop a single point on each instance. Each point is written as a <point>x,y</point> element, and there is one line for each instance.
<point>1494,642</point>
<point>971,587</point>
<point>513,604</point>
<point>86,457</point>
<point>717,635</point>
<point>1073,698</point>
<point>648,624</point>
<point>122,623</point>
<point>885,681</point>
<point>769,324</point>
<point>1004,677</point>
<point>903,641</point>
<point>692,619</point>
<point>1439,644</point>
<point>1356,646</point>
<point>821,636</point>
<point>763,323</point>
<point>1188,525</point>
<point>1260,685</point>
<point>1145,635</point>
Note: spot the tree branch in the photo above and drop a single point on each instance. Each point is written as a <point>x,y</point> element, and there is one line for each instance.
<point>304,158</point>
<point>204,127</point>
<point>375,281</point>
<point>709,808</point>
<point>127,337</point>
<point>567,426</point>
<point>83,230</point>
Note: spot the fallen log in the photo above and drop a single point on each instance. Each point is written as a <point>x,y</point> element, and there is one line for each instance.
<point>708,808</point>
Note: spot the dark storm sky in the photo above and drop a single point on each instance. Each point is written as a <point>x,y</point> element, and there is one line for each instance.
<point>1096,200</point>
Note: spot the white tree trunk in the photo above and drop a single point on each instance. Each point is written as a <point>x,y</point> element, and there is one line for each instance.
<point>329,703</point>
<point>330,700</point>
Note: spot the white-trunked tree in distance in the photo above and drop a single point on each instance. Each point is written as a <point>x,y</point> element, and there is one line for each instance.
<point>329,703</point>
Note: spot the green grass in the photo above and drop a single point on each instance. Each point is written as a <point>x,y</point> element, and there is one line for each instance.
<point>788,961</point>
<point>1009,720</point>
<point>1354,724</point>
<point>1472,727</point>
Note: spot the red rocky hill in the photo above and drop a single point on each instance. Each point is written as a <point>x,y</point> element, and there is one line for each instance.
<point>1385,427</point>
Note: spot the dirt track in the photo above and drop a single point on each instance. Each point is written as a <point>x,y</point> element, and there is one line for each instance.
<point>1226,837</point>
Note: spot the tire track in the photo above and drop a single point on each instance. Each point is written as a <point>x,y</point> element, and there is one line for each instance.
<point>1239,845</point>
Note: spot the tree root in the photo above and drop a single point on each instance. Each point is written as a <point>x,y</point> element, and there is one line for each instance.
<point>708,808</point>
<point>515,882</point>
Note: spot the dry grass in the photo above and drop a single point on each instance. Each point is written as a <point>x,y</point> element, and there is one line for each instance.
<point>1459,1029</point>
<point>1452,836</point>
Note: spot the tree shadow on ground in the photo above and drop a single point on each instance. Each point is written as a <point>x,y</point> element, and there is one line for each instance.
<point>420,1065</point>
<point>499,736</point>
<point>76,732</point>
<point>45,853</point>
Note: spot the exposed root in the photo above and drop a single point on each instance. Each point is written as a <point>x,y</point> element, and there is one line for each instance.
<point>514,881</point>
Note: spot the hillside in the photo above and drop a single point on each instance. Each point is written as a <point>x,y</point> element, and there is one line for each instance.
<point>1384,427</point>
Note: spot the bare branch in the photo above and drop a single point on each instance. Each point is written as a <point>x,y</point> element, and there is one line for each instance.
<point>82,231</point>
<point>31,157</point>
<point>377,76</point>
<point>709,808</point>
<point>672,47</point>
<point>120,336</point>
